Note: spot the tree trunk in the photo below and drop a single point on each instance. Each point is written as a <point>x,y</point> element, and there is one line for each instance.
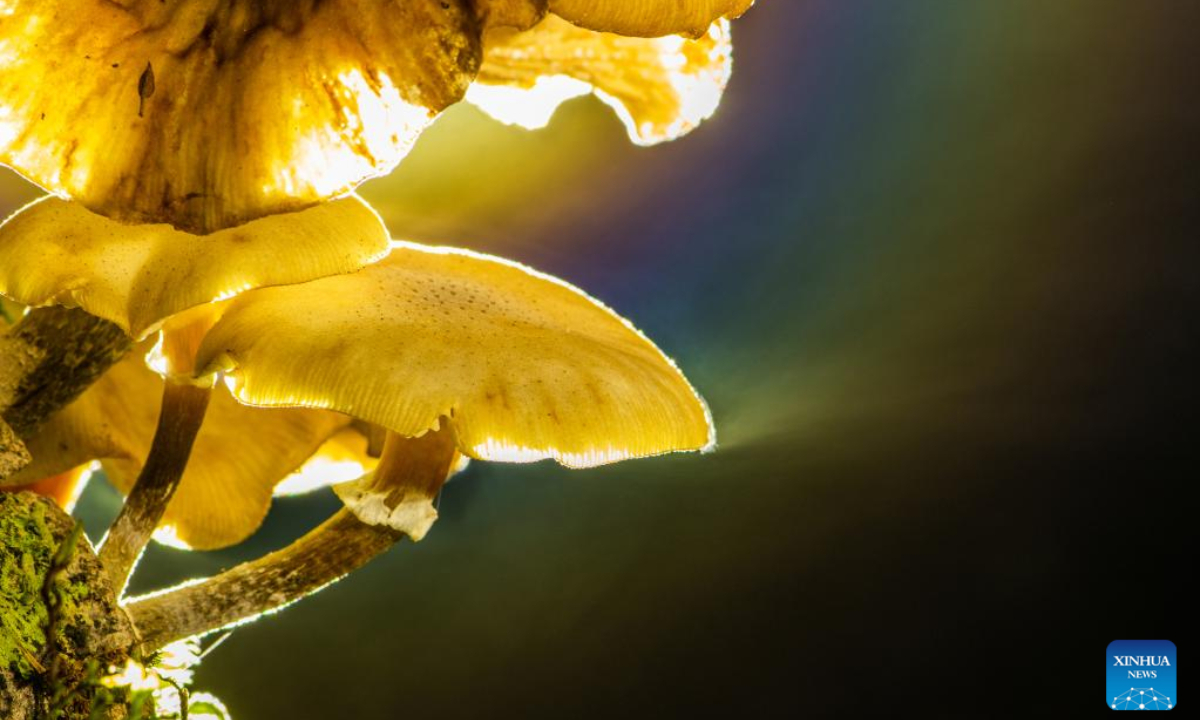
<point>46,360</point>
<point>61,623</point>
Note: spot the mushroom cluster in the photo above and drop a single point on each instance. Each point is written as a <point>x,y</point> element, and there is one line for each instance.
<point>248,326</point>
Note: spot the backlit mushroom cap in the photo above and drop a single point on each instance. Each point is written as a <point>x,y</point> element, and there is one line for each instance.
<point>661,88</point>
<point>55,252</point>
<point>524,366</point>
<point>648,18</point>
<point>205,115</point>
<point>240,454</point>
<point>208,114</point>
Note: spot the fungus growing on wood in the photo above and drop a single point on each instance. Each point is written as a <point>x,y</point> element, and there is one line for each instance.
<point>200,156</point>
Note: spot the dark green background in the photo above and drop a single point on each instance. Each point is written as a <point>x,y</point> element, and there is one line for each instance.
<point>933,266</point>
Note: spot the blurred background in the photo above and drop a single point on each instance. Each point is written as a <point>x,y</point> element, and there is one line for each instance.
<point>933,266</point>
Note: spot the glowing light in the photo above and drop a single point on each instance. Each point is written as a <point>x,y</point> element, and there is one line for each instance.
<point>169,535</point>
<point>378,129</point>
<point>461,463</point>
<point>156,360</point>
<point>503,451</point>
<point>133,675</point>
<point>660,89</point>
<point>205,706</point>
<point>530,108</point>
<point>172,669</point>
<point>233,292</point>
<point>85,476</point>
<point>320,472</point>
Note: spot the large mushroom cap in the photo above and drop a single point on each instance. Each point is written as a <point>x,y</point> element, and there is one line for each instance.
<point>205,114</point>
<point>56,252</point>
<point>525,366</point>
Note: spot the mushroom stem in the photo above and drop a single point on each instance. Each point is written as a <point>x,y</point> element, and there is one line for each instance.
<point>183,408</point>
<point>334,549</point>
<point>47,359</point>
<point>411,472</point>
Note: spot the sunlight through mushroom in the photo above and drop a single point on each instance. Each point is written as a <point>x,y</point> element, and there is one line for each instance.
<point>216,319</point>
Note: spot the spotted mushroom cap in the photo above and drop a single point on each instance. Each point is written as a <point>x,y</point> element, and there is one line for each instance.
<point>523,365</point>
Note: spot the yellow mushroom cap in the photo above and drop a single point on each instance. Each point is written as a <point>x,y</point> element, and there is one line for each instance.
<point>205,114</point>
<point>240,454</point>
<point>649,18</point>
<point>56,252</point>
<point>525,366</point>
<point>661,88</point>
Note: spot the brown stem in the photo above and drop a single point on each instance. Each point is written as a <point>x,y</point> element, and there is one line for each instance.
<point>337,547</point>
<point>46,360</point>
<point>183,408</point>
<point>412,471</point>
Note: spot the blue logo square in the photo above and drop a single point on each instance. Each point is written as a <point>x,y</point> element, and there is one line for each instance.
<point>1140,675</point>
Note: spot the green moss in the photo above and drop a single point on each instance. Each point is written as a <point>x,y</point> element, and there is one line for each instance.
<point>27,549</point>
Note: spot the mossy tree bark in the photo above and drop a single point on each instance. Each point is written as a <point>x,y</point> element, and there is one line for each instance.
<point>60,619</point>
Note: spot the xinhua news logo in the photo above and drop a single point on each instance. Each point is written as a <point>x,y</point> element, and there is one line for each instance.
<point>1140,675</point>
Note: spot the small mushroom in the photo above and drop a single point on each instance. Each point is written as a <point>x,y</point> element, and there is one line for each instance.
<point>56,252</point>
<point>661,88</point>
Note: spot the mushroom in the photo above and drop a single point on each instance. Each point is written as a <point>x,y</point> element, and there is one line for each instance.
<point>145,278</point>
<point>247,109</point>
<point>208,115</point>
<point>526,366</point>
<point>197,142</point>
<point>451,352</point>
